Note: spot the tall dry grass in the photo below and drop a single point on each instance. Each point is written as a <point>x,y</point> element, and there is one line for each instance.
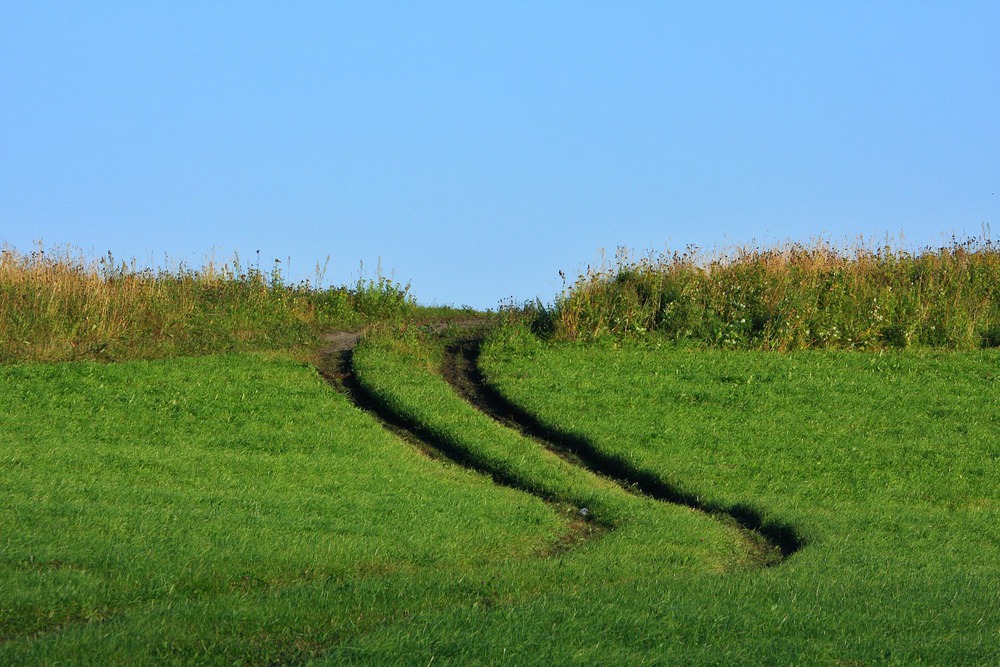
<point>792,297</point>
<point>58,305</point>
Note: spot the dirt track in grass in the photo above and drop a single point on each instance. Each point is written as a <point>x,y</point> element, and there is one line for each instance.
<point>772,543</point>
<point>336,367</point>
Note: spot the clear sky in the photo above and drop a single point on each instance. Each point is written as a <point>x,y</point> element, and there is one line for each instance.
<point>477,149</point>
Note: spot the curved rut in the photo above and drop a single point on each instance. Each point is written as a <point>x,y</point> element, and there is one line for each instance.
<point>773,541</point>
<point>462,371</point>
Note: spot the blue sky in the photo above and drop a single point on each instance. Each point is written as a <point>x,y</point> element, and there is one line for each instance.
<point>477,149</point>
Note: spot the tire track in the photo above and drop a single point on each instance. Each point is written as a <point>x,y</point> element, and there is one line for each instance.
<point>772,542</point>
<point>777,540</point>
<point>337,368</point>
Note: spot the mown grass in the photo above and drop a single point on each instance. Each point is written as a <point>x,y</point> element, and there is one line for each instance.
<point>888,465</point>
<point>793,297</point>
<point>58,305</point>
<point>226,510</point>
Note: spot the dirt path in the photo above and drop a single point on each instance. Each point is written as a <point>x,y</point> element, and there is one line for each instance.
<point>772,542</point>
<point>337,368</point>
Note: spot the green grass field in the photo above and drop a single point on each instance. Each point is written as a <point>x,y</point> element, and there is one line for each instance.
<point>235,508</point>
<point>886,465</point>
<point>229,509</point>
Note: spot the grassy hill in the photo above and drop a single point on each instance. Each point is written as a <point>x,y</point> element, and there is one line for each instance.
<point>182,486</point>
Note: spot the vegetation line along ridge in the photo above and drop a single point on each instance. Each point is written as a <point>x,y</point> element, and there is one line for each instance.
<point>463,373</point>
